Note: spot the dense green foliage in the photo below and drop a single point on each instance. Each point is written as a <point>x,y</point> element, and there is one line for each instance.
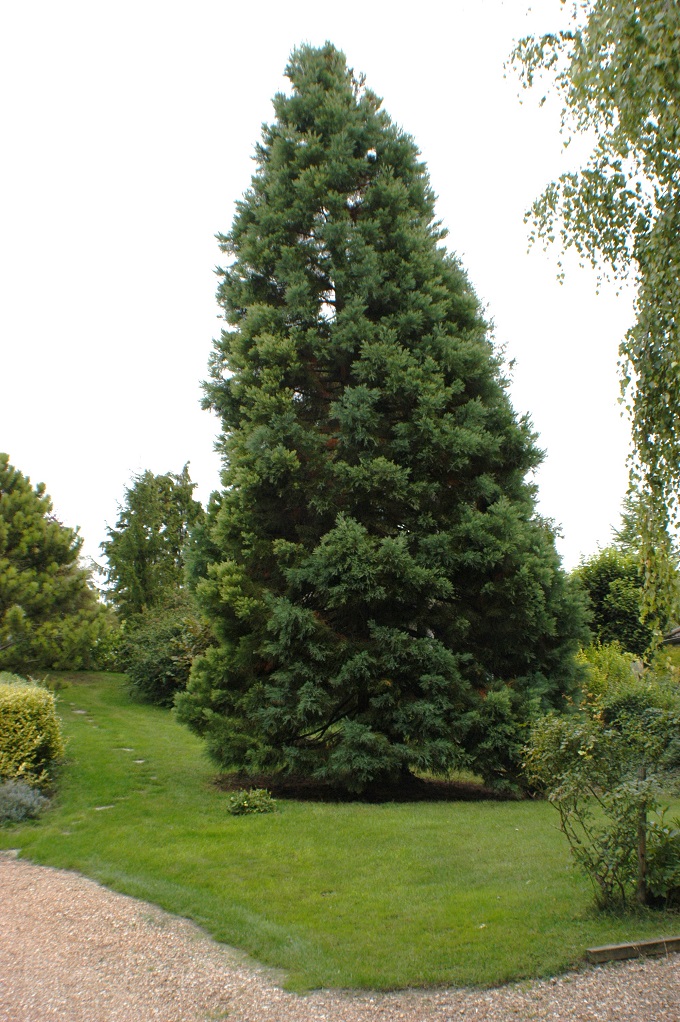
<point>338,895</point>
<point>613,581</point>
<point>161,629</point>
<point>606,769</point>
<point>144,550</point>
<point>31,741</point>
<point>158,649</point>
<point>384,595</point>
<point>616,64</point>
<point>49,614</point>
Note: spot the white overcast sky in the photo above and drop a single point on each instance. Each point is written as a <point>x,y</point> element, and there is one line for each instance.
<point>127,131</point>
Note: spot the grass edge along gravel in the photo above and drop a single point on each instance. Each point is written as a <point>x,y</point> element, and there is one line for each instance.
<point>348,895</point>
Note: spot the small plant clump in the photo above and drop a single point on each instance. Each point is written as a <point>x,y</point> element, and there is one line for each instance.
<point>252,800</point>
<point>19,801</point>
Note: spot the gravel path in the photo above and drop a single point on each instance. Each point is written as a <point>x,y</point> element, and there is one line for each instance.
<point>71,951</point>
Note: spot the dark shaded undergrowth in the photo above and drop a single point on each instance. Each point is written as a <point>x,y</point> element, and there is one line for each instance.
<point>408,789</point>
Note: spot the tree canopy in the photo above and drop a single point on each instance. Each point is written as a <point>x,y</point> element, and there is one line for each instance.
<point>49,614</point>
<point>384,595</point>
<point>613,582</point>
<point>616,66</point>
<point>144,550</point>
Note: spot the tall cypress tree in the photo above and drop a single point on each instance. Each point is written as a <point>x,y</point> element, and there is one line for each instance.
<point>384,595</point>
<point>145,549</point>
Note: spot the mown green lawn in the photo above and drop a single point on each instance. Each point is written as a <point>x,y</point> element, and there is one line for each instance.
<point>348,895</point>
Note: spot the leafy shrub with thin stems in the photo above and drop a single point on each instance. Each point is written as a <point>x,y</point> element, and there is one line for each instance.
<point>606,769</point>
<point>663,850</point>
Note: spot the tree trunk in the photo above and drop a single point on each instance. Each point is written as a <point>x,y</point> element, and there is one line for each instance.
<point>642,846</point>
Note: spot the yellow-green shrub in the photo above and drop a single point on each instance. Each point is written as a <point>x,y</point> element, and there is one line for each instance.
<point>30,733</point>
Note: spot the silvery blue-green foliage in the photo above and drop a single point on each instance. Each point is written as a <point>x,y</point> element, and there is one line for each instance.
<point>379,576</point>
<point>19,801</point>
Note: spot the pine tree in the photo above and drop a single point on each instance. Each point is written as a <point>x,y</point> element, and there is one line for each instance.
<point>384,595</point>
<point>49,614</point>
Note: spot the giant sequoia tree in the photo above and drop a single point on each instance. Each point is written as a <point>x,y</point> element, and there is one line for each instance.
<point>384,595</point>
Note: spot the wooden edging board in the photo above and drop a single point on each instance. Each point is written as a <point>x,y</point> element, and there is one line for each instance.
<point>636,949</point>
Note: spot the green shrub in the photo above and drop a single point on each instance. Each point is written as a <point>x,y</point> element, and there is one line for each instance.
<point>606,666</point>
<point>498,731</point>
<point>614,585</point>
<point>663,861</point>
<point>254,800</point>
<point>19,801</point>
<point>606,769</point>
<point>107,647</point>
<point>158,649</point>
<point>30,734</point>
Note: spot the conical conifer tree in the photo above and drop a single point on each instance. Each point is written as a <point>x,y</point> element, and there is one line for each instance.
<point>384,595</point>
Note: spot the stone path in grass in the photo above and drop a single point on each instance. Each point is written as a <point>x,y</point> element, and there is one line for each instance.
<point>72,951</point>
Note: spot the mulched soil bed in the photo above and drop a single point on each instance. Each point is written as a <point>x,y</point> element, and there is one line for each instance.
<point>409,789</point>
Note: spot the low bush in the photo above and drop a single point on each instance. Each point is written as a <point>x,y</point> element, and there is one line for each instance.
<point>254,800</point>
<point>607,770</point>
<point>31,741</point>
<point>19,801</point>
